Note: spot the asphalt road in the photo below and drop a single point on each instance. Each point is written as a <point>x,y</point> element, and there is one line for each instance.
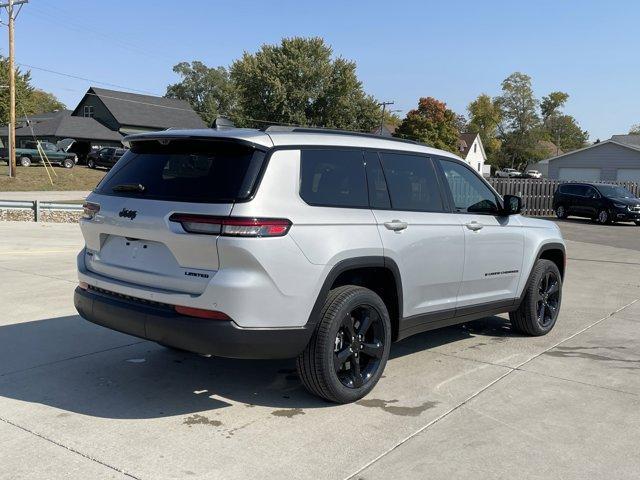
<point>472,401</point>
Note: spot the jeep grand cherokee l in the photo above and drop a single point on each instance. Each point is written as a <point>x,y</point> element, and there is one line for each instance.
<point>322,245</point>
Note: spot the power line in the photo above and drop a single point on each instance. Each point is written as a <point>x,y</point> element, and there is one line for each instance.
<point>26,65</point>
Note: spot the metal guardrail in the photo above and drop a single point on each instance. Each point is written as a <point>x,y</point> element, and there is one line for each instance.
<point>37,206</point>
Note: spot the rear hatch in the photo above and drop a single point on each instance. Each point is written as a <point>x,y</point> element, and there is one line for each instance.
<point>131,238</point>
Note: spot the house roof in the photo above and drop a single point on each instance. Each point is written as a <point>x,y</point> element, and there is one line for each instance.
<point>387,130</point>
<point>134,109</point>
<point>628,139</point>
<point>40,117</point>
<point>67,126</point>
<point>595,145</point>
<point>465,140</point>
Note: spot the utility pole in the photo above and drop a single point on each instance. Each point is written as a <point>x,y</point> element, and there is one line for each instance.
<point>384,107</point>
<point>12,83</point>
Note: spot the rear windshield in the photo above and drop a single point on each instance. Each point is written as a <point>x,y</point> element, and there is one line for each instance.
<point>185,171</point>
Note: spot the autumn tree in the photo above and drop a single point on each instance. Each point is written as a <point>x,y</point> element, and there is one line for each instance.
<point>208,90</point>
<point>300,82</point>
<point>431,123</point>
<point>484,118</point>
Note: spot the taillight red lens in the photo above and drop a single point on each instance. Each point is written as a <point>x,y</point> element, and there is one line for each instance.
<point>232,226</point>
<point>201,313</point>
<point>89,210</point>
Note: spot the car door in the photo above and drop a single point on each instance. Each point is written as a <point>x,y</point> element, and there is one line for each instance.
<point>417,232</point>
<point>592,202</point>
<point>494,244</point>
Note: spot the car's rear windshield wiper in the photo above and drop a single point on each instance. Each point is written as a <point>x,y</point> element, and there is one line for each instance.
<point>129,187</point>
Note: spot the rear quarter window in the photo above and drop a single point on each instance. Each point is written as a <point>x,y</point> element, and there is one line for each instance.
<point>186,171</point>
<point>333,178</point>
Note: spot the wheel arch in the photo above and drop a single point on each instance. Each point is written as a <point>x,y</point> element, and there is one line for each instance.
<point>377,273</point>
<point>553,251</point>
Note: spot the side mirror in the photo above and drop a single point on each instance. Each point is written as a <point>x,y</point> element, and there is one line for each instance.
<point>512,205</point>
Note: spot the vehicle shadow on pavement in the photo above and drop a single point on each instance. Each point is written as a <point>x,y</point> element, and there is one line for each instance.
<point>53,362</point>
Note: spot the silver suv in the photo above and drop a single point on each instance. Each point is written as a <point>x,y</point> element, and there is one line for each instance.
<point>322,245</point>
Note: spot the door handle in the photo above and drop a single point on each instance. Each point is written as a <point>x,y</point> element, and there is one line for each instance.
<point>395,225</point>
<point>475,226</point>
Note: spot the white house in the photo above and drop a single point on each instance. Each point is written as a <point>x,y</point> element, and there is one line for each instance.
<point>472,152</point>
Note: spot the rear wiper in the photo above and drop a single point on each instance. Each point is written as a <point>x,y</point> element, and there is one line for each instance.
<point>129,187</point>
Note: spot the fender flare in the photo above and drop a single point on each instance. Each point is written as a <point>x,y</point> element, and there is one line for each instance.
<point>544,248</point>
<point>351,264</point>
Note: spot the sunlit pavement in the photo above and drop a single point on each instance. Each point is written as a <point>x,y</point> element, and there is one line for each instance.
<point>471,401</point>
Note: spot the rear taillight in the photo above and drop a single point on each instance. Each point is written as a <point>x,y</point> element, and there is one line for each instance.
<point>201,313</point>
<point>232,226</point>
<point>89,210</point>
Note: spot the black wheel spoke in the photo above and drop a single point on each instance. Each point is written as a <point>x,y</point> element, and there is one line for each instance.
<point>373,349</point>
<point>541,311</point>
<point>553,289</point>
<point>348,324</point>
<point>365,323</point>
<point>341,357</point>
<point>356,373</point>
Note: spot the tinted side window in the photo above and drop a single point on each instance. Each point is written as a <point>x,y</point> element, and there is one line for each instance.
<point>378,193</point>
<point>412,181</point>
<point>580,190</point>
<point>470,194</point>
<point>334,178</point>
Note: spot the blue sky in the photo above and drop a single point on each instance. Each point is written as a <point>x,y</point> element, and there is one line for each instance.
<point>451,50</point>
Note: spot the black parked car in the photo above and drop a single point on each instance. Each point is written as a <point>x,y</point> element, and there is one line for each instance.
<point>603,203</point>
<point>105,157</point>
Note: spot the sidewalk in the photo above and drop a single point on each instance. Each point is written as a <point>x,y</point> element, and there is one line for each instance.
<point>45,196</point>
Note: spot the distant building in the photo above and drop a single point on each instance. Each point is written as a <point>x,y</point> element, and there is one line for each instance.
<point>129,113</point>
<point>471,150</point>
<point>103,117</point>
<point>616,159</point>
<point>387,130</point>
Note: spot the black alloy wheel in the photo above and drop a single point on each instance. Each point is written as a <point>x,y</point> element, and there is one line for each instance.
<point>359,346</point>
<point>548,299</point>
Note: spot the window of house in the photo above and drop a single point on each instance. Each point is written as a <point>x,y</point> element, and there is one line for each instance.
<point>88,111</point>
<point>475,147</point>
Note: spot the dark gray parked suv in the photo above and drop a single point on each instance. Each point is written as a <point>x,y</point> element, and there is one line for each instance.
<point>603,203</point>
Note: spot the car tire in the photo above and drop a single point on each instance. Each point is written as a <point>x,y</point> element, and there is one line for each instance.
<point>637,222</point>
<point>561,212</point>
<point>25,161</point>
<point>603,217</point>
<point>539,309</point>
<point>349,349</point>
<point>68,163</point>
<point>91,163</point>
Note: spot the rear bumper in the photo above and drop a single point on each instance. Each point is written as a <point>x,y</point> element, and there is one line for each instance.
<point>215,337</point>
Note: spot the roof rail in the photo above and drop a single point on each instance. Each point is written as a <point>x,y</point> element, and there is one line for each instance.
<point>331,131</point>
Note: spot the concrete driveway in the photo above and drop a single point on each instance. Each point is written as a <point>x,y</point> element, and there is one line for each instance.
<point>471,401</point>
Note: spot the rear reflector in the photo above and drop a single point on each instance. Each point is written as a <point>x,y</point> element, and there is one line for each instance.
<point>232,226</point>
<point>201,313</point>
<point>83,285</point>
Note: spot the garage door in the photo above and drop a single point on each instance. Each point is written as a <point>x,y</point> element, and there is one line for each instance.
<point>581,174</point>
<point>628,175</point>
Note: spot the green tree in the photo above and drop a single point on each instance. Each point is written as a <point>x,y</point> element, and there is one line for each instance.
<point>552,103</point>
<point>208,90</point>
<point>431,123</point>
<point>29,100</point>
<point>520,127</point>
<point>299,82</point>
<point>635,129</point>
<point>484,118</point>
<point>43,102</point>
<point>563,130</point>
